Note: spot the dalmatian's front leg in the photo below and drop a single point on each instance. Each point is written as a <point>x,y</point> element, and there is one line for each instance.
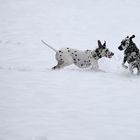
<point>95,65</point>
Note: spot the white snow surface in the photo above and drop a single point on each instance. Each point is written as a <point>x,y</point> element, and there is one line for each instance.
<point>37,103</point>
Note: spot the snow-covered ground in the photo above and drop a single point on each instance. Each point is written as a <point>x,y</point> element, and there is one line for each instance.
<point>37,103</point>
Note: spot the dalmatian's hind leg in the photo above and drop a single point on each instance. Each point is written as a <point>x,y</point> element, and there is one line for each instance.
<point>59,65</point>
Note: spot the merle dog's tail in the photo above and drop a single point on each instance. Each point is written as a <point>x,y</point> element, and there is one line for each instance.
<point>49,46</point>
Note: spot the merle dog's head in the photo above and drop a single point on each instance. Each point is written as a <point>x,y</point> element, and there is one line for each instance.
<point>125,43</point>
<point>102,51</point>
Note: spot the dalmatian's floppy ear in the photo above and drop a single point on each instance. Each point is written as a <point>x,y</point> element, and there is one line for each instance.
<point>100,44</point>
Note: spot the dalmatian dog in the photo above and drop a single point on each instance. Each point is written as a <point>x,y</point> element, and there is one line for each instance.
<point>131,54</point>
<point>82,59</point>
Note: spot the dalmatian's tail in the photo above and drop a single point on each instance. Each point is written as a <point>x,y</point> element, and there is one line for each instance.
<point>49,46</point>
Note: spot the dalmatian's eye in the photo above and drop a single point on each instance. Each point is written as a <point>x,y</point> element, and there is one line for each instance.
<point>106,50</point>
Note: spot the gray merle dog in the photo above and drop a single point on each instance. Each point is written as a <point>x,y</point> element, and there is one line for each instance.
<point>131,54</point>
<point>82,59</point>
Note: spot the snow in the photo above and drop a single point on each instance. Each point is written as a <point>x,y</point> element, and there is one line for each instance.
<point>37,103</point>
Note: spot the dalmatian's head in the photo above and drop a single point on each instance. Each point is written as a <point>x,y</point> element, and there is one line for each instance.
<point>102,51</point>
<point>125,43</point>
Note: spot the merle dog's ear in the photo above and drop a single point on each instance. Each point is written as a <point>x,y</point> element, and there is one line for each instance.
<point>100,44</point>
<point>104,45</point>
<point>133,36</point>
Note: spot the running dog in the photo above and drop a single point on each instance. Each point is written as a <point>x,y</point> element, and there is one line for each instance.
<point>82,59</point>
<point>131,54</point>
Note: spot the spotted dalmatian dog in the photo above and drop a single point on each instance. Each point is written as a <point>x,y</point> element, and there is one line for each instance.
<point>131,54</point>
<point>82,59</point>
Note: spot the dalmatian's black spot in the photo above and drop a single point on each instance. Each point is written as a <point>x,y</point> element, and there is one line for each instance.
<point>82,65</point>
<point>61,59</point>
<point>60,55</point>
<point>60,51</point>
<point>75,54</point>
<point>75,51</point>
<point>97,50</point>
<point>68,50</point>
<point>78,59</point>
<point>85,61</point>
<point>74,59</point>
<point>71,53</point>
<point>88,60</point>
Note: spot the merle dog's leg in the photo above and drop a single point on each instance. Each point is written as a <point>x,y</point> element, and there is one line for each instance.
<point>138,70</point>
<point>134,69</point>
<point>131,70</point>
<point>124,60</point>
